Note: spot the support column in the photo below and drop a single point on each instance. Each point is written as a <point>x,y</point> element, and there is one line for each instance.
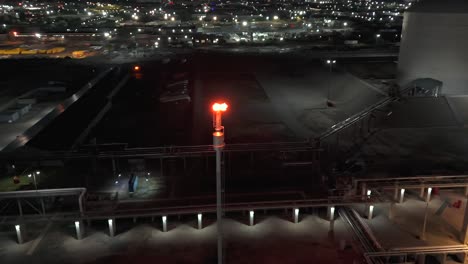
<point>43,206</point>
<point>164,223</point>
<point>402,195</point>
<point>395,193</point>
<point>20,208</point>
<point>363,189</point>
<point>421,193</point>
<point>423,231</point>
<point>370,212</point>
<point>19,234</point>
<point>111,223</point>
<point>466,191</point>
<point>200,224</point>
<point>79,230</point>
<point>332,217</point>
<point>464,231</point>
<point>421,259</point>
<point>296,215</point>
<point>428,194</point>
<point>391,211</point>
<point>251,218</point>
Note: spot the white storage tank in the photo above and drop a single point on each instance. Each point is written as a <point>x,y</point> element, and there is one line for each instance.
<point>435,44</point>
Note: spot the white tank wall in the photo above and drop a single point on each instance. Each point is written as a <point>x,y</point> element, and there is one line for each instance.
<point>435,45</point>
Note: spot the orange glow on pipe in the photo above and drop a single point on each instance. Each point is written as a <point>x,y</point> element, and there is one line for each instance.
<point>217,107</point>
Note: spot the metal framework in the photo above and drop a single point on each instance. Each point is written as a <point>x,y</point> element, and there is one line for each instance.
<point>131,212</point>
<point>38,195</point>
<point>159,152</point>
<point>412,182</point>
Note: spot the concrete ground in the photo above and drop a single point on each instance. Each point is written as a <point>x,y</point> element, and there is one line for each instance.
<point>271,240</point>
<point>404,230</point>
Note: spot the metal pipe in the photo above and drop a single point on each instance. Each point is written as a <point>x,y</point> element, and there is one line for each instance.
<point>219,215</point>
<point>423,231</point>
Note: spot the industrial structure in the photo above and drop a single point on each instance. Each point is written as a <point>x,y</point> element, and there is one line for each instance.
<point>433,45</point>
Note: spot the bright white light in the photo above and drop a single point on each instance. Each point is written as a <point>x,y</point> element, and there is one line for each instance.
<point>378,35</point>
<point>244,23</point>
<point>29,175</point>
<point>77,224</point>
<point>281,39</point>
<point>37,35</point>
<point>215,18</point>
<point>369,192</point>
<point>251,213</point>
<point>172,19</point>
<point>38,172</point>
<point>199,217</point>
<point>17,227</point>
<point>275,17</point>
<point>106,34</point>
<point>345,24</point>
<point>116,182</point>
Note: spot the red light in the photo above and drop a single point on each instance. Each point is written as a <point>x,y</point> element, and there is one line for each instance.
<point>217,107</point>
<point>15,33</point>
<point>136,68</point>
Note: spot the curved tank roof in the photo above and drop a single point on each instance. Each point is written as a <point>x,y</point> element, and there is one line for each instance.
<point>439,6</point>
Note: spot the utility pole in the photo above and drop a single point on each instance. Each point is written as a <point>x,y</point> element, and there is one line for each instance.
<point>218,145</point>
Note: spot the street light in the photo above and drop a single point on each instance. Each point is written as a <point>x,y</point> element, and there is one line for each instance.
<point>330,64</point>
<point>218,145</point>
<point>33,175</point>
